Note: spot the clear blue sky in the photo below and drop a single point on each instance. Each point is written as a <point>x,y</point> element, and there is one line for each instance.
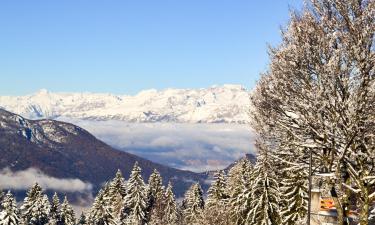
<point>123,46</point>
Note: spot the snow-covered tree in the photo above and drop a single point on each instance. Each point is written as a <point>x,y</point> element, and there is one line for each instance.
<point>35,207</point>
<point>117,192</point>
<point>193,205</point>
<point>171,213</point>
<point>9,214</point>
<point>67,213</point>
<point>165,210</point>
<point>216,208</point>
<point>155,194</point>
<point>238,175</point>
<point>239,179</point>
<point>155,188</point>
<point>54,214</point>
<point>294,196</point>
<point>82,219</point>
<point>135,202</point>
<point>318,95</point>
<point>217,193</point>
<point>2,195</point>
<point>264,193</point>
<point>100,213</point>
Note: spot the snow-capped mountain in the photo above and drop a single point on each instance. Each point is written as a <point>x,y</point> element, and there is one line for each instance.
<point>218,104</point>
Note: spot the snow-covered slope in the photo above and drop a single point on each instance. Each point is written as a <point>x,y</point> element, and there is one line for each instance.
<point>220,104</point>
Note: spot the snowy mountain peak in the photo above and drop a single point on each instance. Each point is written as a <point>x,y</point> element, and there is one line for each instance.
<point>234,87</point>
<point>218,104</point>
<point>40,131</point>
<point>42,92</point>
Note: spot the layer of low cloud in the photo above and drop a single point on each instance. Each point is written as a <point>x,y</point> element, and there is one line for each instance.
<point>196,147</point>
<point>23,180</point>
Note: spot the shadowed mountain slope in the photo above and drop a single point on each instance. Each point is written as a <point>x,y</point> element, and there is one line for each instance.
<point>63,150</point>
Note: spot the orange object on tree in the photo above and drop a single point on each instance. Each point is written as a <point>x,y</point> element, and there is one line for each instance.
<point>327,204</point>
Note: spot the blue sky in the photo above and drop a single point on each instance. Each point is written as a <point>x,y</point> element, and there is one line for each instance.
<point>123,46</point>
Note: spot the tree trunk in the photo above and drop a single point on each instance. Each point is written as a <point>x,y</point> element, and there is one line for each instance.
<point>365,207</point>
<point>340,211</point>
<point>363,217</point>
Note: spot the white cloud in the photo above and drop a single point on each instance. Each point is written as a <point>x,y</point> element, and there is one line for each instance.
<point>196,147</point>
<point>22,180</point>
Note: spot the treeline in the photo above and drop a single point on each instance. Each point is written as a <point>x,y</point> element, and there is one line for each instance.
<point>248,194</point>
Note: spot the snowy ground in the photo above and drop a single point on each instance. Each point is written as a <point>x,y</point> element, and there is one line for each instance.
<point>196,147</point>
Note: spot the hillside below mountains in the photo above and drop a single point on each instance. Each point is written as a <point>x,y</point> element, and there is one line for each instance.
<point>218,104</point>
<point>63,150</point>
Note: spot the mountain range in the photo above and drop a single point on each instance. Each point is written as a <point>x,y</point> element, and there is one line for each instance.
<point>217,104</point>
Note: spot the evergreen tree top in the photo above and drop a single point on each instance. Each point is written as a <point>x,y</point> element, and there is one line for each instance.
<point>136,168</point>
<point>155,183</point>
<point>8,199</point>
<point>65,202</point>
<point>55,199</point>
<point>119,173</point>
<point>35,190</point>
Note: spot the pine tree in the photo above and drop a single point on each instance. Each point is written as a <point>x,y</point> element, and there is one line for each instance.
<point>67,213</point>
<point>36,207</point>
<point>155,192</point>
<point>217,201</point>
<point>9,214</point>
<point>217,193</point>
<point>2,195</point>
<point>117,192</point>
<point>238,182</point>
<point>54,214</point>
<point>170,207</point>
<point>263,195</point>
<point>238,176</point>
<point>193,205</point>
<point>135,203</point>
<point>100,213</point>
<point>82,219</point>
<point>295,196</point>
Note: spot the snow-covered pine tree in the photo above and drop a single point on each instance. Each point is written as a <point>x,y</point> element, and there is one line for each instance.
<point>35,207</point>
<point>239,180</point>
<point>54,214</point>
<point>263,195</point>
<point>135,202</point>
<point>2,195</point>
<point>217,193</point>
<point>9,214</point>
<point>82,219</point>
<point>155,194</point>
<point>239,174</point>
<point>107,196</point>
<point>216,209</point>
<point>67,213</point>
<point>193,205</point>
<point>117,192</point>
<point>171,213</point>
<point>100,213</point>
<point>294,192</point>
